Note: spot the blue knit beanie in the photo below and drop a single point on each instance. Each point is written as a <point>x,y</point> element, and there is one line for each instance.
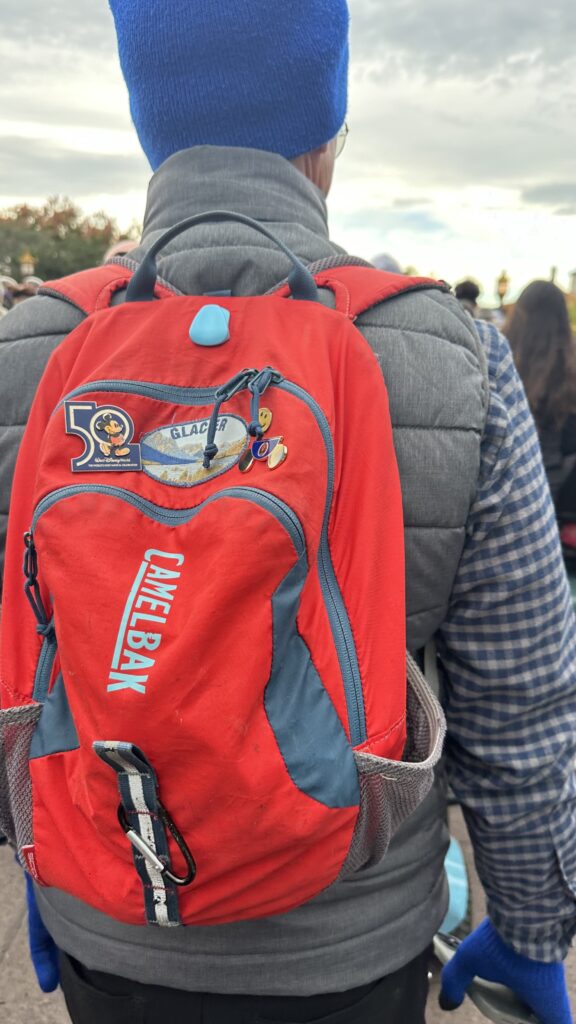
<point>264,74</point>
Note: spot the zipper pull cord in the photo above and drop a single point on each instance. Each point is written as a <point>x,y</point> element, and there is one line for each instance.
<point>31,588</point>
<point>257,387</point>
<point>224,394</point>
<point>211,448</point>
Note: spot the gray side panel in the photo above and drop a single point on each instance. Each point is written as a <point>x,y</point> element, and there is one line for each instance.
<point>311,738</point>
<point>55,731</point>
<point>28,335</point>
<point>428,552</point>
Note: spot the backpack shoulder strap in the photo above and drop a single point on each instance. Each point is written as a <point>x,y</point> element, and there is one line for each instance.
<point>357,286</point>
<point>358,289</point>
<point>91,290</point>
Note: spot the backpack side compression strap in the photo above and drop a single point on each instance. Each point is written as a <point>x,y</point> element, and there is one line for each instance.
<point>91,290</point>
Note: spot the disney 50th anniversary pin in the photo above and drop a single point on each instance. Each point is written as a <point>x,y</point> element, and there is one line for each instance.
<point>107,432</point>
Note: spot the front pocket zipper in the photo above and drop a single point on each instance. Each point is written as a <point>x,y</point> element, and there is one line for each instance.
<point>177,517</point>
<point>45,665</point>
<point>339,621</point>
<point>161,392</point>
<point>168,517</point>
<point>336,609</point>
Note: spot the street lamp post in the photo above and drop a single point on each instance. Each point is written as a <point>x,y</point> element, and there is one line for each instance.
<point>27,264</point>
<point>502,286</point>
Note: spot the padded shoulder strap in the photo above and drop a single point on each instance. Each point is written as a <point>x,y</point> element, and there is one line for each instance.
<point>91,290</point>
<point>357,288</point>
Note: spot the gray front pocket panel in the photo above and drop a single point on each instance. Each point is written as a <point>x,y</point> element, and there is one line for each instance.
<point>392,790</point>
<point>16,730</point>
<point>309,733</point>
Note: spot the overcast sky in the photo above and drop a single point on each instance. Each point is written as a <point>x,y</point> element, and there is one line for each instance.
<point>461,158</point>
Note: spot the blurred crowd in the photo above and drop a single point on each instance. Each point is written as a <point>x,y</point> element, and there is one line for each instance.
<point>12,292</point>
<point>543,345</point>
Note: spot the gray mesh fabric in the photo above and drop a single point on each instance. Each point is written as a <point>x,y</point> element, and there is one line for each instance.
<point>391,790</point>
<point>16,728</point>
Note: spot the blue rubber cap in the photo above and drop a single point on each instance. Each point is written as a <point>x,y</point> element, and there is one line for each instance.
<point>211,326</point>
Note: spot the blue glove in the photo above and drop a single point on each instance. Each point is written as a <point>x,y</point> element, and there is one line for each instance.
<point>43,951</point>
<point>541,986</point>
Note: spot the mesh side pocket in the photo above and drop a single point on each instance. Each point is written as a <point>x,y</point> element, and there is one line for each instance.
<point>391,790</point>
<point>16,728</point>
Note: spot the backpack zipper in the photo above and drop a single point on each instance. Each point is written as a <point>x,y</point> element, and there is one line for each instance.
<point>169,517</point>
<point>162,392</point>
<point>178,517</point>
<point>339,621</point>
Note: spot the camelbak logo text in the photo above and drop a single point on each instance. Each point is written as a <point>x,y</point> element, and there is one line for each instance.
<point>149,601</point>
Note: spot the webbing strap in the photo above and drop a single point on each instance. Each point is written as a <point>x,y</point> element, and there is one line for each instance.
<point>139,802</point>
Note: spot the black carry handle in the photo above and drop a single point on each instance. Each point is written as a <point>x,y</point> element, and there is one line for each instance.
<point>141,287</point>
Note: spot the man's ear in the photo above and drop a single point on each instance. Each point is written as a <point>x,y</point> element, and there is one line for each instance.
<point>318,165</point>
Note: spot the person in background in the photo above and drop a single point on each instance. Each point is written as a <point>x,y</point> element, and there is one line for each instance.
<point>8,286</point>
<point>241,107</point>
<point>544,350</point>
<point>384,261</point>
<point>120,248</point>
<point>26,290</point>
<point>468,292</point>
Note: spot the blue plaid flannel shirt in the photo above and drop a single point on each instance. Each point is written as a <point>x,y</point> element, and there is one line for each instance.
<point>508,647</point>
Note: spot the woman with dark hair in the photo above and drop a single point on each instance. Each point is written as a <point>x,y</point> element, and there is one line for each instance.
<point>468,292</point>
<point>544,351</point>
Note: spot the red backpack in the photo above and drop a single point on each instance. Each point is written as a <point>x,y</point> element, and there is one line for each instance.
<point>203,668</point>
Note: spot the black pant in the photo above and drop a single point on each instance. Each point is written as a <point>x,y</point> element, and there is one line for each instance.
<point>96,998</point>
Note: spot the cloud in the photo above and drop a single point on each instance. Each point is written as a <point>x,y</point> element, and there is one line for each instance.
<point>562,195</point>
<point>448,135</point>
<point>387,222</point>
<point>81,25</point>
<point>36,167</point>
<point>463,38</point>
<point>39,107</point>
<point>411,202</point>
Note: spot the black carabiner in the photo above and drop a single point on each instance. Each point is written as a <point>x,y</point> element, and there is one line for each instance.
<point>142,846</point>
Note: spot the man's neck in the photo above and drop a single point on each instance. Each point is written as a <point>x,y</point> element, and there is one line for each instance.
<point>222,256</point>
<point>263,185</point>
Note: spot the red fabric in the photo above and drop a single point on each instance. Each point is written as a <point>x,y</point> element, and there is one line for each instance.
<point>357,289</point>
<point>261,845</point>
<point>93,289</point>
